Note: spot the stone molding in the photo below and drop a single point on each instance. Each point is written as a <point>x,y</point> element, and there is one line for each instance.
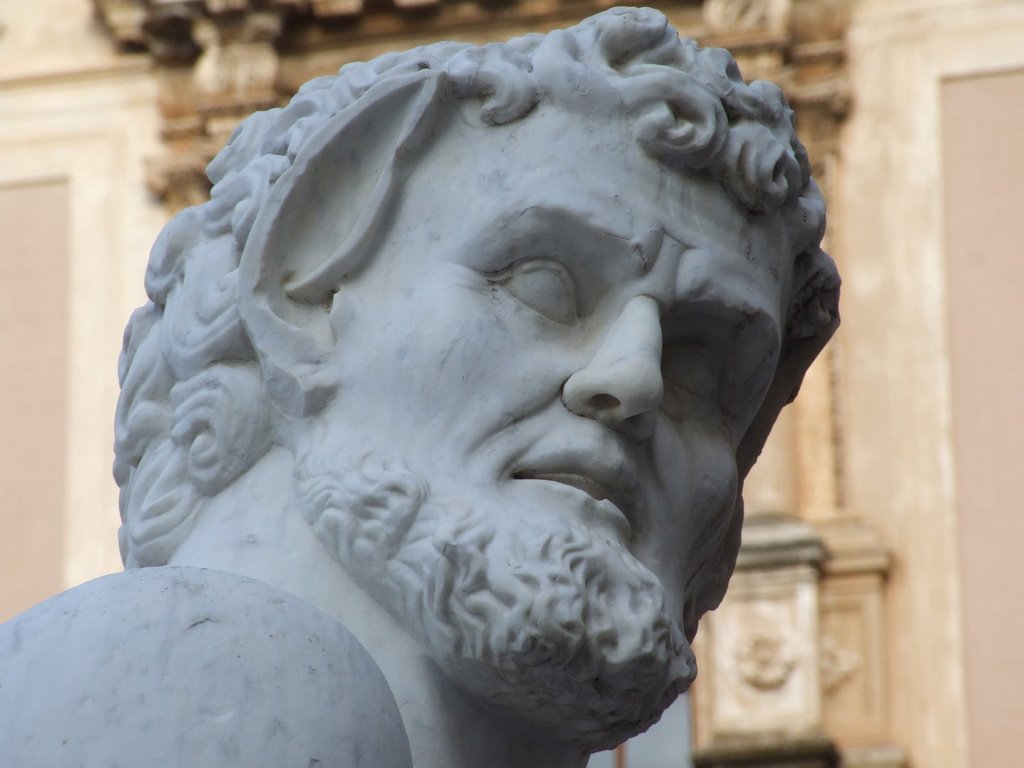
<point>854,666</point>
<point>875,757</point>
<point>802,595</point>
<point>758,753</point>
<point>760,650</point>
<point>778,540</point>
<point>220,60</point>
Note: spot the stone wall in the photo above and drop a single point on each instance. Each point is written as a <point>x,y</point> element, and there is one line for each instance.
<point>76,119</point>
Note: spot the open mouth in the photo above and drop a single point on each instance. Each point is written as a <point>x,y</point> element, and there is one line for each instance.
<point>604,505</point>
<point>585,484</point>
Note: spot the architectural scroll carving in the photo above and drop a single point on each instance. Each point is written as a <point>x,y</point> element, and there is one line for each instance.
<point>838,664</point>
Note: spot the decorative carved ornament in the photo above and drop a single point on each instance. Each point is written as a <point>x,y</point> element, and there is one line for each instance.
<point>838,664</point>
<point>737,16</point>
<point>219,60</point>
<point>765,660</point>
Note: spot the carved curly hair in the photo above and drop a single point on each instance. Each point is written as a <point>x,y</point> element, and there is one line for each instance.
<point>188,352</point>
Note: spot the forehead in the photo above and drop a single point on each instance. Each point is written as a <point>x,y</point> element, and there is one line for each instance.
<point>584,179</point>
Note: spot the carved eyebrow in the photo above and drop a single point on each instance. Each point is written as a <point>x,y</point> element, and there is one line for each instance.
<point>731,289</point>
<point>576,237</point>
<point>597,257</point>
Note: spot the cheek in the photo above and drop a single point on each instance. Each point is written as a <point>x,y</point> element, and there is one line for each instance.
<point>480,346</point>
<point>454,355</point>
<point>696,464</point>
<point>697,478</point>
<point>698,493</point>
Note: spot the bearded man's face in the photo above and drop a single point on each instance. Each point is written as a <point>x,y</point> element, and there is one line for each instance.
<point>544,378</point>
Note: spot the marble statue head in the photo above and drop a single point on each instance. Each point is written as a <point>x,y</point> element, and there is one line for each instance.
<point>523,314</point>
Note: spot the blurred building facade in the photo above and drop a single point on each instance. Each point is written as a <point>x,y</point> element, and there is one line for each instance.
<point>872,618</point>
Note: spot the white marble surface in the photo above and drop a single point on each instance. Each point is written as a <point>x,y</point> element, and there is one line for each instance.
<point>190,668</point>
<point>472,349</point>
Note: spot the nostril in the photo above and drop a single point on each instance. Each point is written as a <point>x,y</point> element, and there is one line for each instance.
<point>604,402</point>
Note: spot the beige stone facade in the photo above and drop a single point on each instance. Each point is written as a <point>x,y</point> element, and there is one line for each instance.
<point>76,117</point>
<point>912,396</point>
<point>873,613</point>
<point>917,638</point>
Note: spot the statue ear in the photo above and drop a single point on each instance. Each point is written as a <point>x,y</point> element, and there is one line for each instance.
<point>812,319</point>
<point>320,223</point>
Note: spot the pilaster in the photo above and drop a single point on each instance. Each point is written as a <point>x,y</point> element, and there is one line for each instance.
<point>760,701</point>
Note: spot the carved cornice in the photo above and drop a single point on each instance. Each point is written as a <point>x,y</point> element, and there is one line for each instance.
<point>219,60</point>
<point>778,541</point>
<point>167,28</point>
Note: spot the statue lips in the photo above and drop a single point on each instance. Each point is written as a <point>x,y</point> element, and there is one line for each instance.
<point>603,477</point>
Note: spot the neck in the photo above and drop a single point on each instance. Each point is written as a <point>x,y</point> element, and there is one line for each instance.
<point>272,543</point>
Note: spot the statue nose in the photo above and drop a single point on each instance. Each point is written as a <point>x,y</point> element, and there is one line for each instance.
<point>622,386</point>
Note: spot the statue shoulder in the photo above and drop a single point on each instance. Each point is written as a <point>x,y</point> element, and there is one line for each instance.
<point>191,667</point>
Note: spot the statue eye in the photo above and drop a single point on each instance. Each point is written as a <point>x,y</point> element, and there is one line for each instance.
<point>543,285</point>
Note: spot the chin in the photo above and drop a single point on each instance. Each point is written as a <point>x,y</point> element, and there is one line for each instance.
<point>557,625</point>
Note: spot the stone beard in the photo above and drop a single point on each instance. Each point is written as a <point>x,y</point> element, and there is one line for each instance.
<point>557,622</point>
